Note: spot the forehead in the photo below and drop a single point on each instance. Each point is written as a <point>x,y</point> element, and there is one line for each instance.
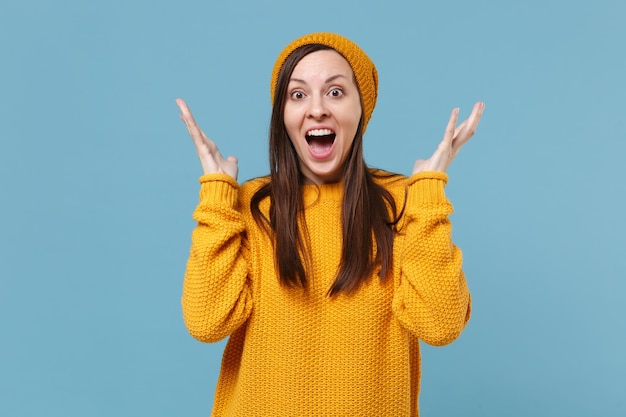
<point>322,64</point>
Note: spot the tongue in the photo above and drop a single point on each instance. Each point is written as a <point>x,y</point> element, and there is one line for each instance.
<point>320,144</point>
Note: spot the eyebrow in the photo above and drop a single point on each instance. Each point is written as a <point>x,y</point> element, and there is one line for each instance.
<point>328,80</point>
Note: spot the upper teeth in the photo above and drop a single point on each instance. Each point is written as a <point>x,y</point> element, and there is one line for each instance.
<point>319,132</point>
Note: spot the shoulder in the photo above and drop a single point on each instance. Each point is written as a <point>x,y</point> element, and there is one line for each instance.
<point>253,185</point>
<point>248,189</point>
<point>396,184</point>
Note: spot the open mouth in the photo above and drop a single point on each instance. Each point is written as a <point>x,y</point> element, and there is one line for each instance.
<point>320,140</point>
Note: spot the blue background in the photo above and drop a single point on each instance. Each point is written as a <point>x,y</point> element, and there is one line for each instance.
<point>99,179</point>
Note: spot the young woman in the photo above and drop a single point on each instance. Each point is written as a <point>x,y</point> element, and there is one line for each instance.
<point>325,274</point>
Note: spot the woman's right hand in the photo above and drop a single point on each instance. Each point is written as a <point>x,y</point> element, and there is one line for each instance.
<point>211,159</point>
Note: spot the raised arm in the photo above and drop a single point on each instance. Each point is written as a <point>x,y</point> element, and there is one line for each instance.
<point>216,298</point>
<point>432,299</point>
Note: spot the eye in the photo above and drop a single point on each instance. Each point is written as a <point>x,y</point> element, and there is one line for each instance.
<point>336,92</point>
<point>297,95</point>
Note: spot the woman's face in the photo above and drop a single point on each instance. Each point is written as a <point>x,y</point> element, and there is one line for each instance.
<point>322,114</point>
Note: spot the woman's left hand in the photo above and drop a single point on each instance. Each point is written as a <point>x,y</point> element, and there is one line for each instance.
<point>453,139</point>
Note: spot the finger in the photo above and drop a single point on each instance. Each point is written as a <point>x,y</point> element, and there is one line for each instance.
<point>460,127</point>
<point>186,116</point>
<point>197,135</point>
<point>185,113</point>
<point>468,127</point>
<point>478,111</point>
<point>451,127</point>
<point>474,118</point>
<point>445,146</point>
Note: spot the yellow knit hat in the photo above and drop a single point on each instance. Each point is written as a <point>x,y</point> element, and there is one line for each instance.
<point>362,66</point>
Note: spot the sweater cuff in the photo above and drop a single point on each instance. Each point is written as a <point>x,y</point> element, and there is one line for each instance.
<point>427,188</point>
<point>218,188</point>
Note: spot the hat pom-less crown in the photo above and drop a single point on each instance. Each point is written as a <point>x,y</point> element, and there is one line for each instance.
<point>362,66</point>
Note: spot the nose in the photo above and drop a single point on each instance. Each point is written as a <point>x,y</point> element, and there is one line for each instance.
<point>317,107</point>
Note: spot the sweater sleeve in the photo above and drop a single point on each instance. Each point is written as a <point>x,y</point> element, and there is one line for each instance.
<point>216,297</point>
<point>431,298</point>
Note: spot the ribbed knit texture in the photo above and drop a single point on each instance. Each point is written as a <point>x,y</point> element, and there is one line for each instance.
<point>297,352</point>
<point>362,66</point>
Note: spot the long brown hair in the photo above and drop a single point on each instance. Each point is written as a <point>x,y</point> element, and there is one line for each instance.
<point>368,210</point>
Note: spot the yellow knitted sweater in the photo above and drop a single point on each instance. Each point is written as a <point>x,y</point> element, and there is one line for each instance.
<point>297,352</point>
